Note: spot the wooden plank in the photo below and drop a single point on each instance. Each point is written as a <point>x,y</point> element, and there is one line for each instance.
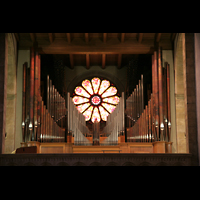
<point>51,37</point>
<point>122,37</point>
<point>158,36</point>
<point>68,37</point>
<point>140,37</point>
<point>98,47</point>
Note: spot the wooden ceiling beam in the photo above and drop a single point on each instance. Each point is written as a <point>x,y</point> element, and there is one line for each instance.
<point>103,61</point>
<point>122,37</point>
<point>33,38</point>
<point>104,37</point>
<point>68,37</point>
<point>157,37</point>
<point>173,35</point>
<point>140,37</point>
<point>51,37</point>
<point>71,59</point>
<point>86,37</point>
<point>119,60</point>
<point>98,47</point>
<point>87,61</point>
<point>17,36</point>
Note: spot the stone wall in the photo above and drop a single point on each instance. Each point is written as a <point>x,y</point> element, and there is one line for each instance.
<point>197,80</point>
<point>11,94</point>
<point>3,87</point>
<point>180,95</point>
<point>190,87</point>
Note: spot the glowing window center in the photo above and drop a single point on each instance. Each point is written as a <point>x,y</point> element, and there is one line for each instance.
<point>96,100</point>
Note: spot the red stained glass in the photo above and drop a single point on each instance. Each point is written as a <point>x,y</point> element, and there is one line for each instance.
<point>95,84</point>
<point>95,115</point>
<point>80,91</point>
<point>102,100</point>
<point>87,85</point>
<point>109,92</point>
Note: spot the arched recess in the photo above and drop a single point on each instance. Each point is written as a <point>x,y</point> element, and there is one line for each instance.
<point>93,73</point>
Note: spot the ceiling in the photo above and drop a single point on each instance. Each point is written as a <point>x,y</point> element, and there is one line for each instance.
<point>95,48</point>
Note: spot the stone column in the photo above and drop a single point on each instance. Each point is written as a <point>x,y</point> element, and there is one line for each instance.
<point>181,110</point>
<point>191,97</point>
<point>167,56</point>
<point>197,81</point>
<point>11,94</point>
<point>3,87</point>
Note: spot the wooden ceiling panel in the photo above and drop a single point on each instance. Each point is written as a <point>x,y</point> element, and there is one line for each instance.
<point>95,35</point>
<point>149,36</point>
<point>42,36</point>
<point>60,35</point>
<point>111,59</point>
<point>95,59</point>
<point>79,59</point>
<point>113,35</point>
<point>131,35</point>
<point>78,35</point>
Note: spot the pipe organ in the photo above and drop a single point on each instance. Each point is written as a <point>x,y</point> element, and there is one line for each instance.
<point>76,124</point>
<point>152,122</point>
<point>58,120</point>
<point>43,123</point>
<point>115,123</point>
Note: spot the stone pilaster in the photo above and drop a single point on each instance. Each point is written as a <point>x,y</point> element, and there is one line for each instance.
<point>3,88</point>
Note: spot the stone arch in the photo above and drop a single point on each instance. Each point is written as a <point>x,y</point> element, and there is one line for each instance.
<point>90,74</point>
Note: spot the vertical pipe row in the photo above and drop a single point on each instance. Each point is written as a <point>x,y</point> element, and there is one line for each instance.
<point>154,123</point>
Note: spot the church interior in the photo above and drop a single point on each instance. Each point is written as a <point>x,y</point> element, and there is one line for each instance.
<point>99,99</point>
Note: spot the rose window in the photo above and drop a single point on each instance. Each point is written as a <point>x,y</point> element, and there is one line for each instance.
<point>96,99</point>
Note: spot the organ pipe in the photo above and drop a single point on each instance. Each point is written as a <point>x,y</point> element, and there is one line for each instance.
<point>39,122</point>
<point>154,123</point>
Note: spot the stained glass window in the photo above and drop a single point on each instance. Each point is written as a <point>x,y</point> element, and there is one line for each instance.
<point>96,99</point>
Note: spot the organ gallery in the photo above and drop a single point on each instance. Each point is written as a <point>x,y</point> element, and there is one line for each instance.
<point>102,95</point>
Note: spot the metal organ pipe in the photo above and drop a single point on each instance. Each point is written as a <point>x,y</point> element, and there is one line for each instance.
<point>154,123</point>
<point>44,123</point>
